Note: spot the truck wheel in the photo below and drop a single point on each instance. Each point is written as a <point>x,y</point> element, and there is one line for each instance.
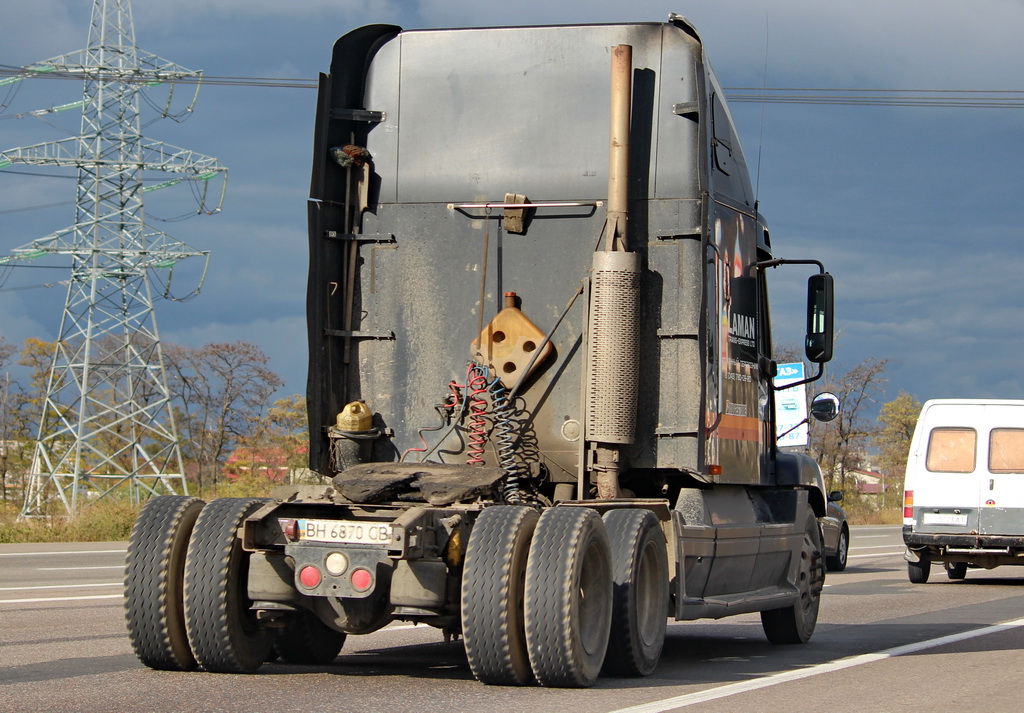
<point>639,592</point>
<point>568,603</point>
<point>493,586</point>
<point>795,624</point>
<point>837,562</point>
<point>153,574</point>
<point>956,570</point>
<point>222,629</point>
<point>307,640</point>
<point>917,572</point>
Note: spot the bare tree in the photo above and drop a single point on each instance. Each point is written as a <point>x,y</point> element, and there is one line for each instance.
<point>222,392</point>
<point>840,445</point>
<point>277,446</point>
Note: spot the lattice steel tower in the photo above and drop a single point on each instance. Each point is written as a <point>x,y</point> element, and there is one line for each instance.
<point>107,423</point>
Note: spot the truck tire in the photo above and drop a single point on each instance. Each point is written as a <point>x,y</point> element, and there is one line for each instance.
<point>222,629</point>
<point>568,604</point>
<point>153,582</point>
<point>639,592</point>
<point>493,589</point>
<point>795,624</point>
<point>917,572</point>
<point>837,562</point>
<point>956,570</point>
<point>307,640</point>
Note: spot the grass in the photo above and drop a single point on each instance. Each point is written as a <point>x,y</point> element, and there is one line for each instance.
<point>865,514</point>
<point>109,519</point>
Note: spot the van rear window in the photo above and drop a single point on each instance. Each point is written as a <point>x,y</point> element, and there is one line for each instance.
<point>1006,450</point>
<point>951,450</point>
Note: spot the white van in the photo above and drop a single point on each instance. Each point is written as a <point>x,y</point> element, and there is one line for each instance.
<point>963,498</point>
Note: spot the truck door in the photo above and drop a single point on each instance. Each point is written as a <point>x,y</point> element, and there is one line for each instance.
<point>735,407</point>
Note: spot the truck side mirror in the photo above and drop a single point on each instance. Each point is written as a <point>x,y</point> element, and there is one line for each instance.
<point>818,342</point>
<point>825,406</point>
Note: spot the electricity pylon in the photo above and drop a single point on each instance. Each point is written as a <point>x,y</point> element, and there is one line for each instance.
<point>107,423</point>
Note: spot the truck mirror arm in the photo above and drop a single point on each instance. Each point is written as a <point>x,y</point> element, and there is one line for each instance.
<point>820,314</point>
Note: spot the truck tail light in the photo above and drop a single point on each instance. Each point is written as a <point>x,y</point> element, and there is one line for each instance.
<point>290,529</point>
<point>908,504</point>
<point>310,576</point>
<point>361,579</point>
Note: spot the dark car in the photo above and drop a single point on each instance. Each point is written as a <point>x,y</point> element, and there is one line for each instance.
<point>835,533</point>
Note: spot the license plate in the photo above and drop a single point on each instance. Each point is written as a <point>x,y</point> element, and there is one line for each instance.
<point>938,518</point>
<point>348,532</point>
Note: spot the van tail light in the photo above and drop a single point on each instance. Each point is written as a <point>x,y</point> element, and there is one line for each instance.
<point>908,504</point>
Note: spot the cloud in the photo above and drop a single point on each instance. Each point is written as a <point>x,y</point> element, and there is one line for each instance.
<point>913,210</point>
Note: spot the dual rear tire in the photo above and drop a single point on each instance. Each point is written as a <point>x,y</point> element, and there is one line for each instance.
<point>153,582</point>
<point>186,598</point>
<point>544,595</point>
<point>222,628</point>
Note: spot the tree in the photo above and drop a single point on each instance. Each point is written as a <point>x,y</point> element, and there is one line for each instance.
<point>840,445</point>
<point>7,441</point>
<point>37,356</point>
<point>222,391</point>
<point>277,445</point>
<point>21,408</point>
<point>898,418</point>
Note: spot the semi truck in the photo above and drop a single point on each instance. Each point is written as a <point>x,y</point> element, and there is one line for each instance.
<point>540,375</point>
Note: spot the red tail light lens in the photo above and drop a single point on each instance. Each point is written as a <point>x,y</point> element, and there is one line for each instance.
<point>309,576</point>
<point>290,529</point>
<point>908,503</point>
<point>362,580</point>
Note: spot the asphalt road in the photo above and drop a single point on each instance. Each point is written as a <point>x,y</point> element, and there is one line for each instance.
<point>882,644</point>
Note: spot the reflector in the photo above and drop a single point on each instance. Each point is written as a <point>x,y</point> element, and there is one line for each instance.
<point>309,576</point>
<point>361,580</point>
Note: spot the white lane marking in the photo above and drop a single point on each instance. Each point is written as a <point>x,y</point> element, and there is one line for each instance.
<point>60,599</point>
<point>878,554</point>
<point>732,689</point>
<point>873,547</point>
<point>873,537</point>
<point>66,552</point>
<point>60,586</point>
<point>66,569</point>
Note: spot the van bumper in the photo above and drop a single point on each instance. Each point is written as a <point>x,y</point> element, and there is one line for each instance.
<point>981,550</point>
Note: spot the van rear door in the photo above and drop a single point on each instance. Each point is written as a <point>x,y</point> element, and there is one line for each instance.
<point>1001,494</point>
<point>946,494</point>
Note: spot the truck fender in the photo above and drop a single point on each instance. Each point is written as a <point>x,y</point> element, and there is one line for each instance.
<point>801,471</point>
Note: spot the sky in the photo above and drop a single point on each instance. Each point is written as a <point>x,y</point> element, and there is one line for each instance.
<point>914,210</point>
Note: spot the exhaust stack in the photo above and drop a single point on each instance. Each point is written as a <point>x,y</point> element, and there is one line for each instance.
<point>614,323</point>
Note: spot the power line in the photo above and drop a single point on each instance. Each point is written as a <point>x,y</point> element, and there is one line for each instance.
<point>17,73</point>
<point>35,207</point>
<point>845,96</point>
<point>928,98</point>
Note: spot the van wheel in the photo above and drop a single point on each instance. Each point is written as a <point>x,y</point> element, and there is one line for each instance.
<point>917,572</point>
<point>956,570</point>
